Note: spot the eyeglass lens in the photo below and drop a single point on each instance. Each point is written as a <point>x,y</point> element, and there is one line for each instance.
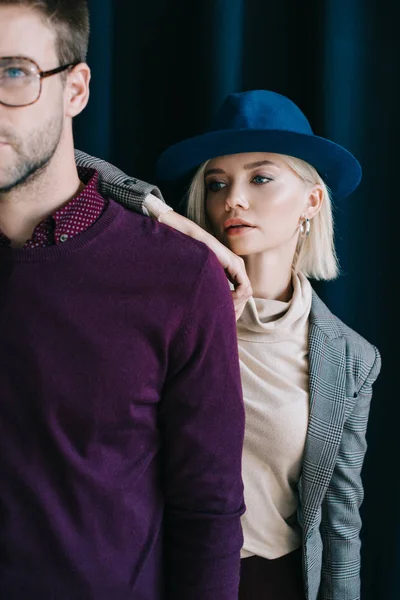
<point>19,81</point>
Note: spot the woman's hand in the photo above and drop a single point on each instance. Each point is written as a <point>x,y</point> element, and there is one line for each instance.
<point>234,268</point>
<point>233,264</point>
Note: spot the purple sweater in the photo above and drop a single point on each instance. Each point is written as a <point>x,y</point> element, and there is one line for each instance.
<point>121,418</point>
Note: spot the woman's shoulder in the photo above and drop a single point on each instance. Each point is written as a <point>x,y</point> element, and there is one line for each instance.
<point>361,355</point>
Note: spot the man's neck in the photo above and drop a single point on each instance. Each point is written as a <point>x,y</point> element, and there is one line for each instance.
<point>23,208</point>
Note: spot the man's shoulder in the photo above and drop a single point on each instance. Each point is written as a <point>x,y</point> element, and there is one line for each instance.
<point>163,245</point>
<point>161,262</point>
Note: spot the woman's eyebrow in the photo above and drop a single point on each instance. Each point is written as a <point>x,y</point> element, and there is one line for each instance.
<point>214,171</point>
<point>248,167</point>
<point>260,163</point>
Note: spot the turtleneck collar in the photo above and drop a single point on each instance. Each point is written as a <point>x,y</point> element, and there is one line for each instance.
<point>266,321</point>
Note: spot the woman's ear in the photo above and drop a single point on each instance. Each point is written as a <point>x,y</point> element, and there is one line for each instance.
<point>314,203</point>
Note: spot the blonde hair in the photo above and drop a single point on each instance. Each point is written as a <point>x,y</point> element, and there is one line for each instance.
<point>315,254</point>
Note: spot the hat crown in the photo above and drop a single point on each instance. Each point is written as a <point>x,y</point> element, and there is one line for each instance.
<point>261,109</point>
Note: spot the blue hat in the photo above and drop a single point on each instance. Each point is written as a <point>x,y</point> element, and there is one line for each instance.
<point>263,121</point>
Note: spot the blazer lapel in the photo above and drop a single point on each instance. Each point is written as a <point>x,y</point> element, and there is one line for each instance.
<point>327,360</point>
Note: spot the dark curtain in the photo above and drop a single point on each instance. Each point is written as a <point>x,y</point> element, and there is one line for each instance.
<point>161,68</point>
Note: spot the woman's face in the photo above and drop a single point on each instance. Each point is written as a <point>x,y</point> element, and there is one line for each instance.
<point>255,202</point>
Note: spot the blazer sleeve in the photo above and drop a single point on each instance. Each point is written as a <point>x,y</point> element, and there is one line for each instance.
<point>202,427</point>
<point>341,522</point>
<point>115,184</point>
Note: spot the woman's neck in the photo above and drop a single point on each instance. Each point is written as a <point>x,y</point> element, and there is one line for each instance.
<point>270,274</point>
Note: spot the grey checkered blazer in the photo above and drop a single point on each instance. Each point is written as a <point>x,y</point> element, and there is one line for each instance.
<point>343,367</point>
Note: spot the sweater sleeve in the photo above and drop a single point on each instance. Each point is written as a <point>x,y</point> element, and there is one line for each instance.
<point>202,424</point>
<point>128,191</point>
<point>341,522</point>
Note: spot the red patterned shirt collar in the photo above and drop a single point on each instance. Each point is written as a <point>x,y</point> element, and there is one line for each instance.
<point>70,220</point>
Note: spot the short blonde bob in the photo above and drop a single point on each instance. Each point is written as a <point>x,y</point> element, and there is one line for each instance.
<point>315,255</point>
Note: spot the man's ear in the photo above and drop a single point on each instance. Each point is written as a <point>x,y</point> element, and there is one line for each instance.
<point>77,89</point>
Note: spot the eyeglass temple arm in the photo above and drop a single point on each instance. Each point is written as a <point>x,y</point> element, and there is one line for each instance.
<point>44,74</point>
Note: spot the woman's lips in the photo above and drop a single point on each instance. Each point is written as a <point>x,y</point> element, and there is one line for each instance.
<point>234,227</point>
<point>235,230</point>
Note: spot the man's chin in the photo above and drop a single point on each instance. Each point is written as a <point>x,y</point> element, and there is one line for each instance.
<point>5,188</point>
<point>7,183</point>
<point>9,172</point>
<point>20,175</point>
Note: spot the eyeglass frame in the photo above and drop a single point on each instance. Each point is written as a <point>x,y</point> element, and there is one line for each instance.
<point>41,74</point>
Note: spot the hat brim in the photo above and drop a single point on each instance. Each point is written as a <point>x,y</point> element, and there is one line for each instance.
<point>337,166</point>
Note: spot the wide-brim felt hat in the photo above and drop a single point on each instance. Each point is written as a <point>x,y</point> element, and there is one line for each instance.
<point>263,121</point>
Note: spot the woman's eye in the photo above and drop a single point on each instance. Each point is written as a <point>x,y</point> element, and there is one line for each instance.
<point>215,186</point>
<point>259,179</point>
<point>14,73</point>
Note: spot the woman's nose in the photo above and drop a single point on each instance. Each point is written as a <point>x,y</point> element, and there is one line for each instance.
<point>236,199</point>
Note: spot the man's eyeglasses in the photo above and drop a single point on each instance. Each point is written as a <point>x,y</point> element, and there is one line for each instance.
<point>21,80</point>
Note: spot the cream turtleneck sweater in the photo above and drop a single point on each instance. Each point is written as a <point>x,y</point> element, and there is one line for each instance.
<point>273,350</point>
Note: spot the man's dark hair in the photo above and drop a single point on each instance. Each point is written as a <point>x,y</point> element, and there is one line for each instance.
<point>70,21</point>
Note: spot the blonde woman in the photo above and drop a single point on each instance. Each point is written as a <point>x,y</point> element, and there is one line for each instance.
<point>262,186</point>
